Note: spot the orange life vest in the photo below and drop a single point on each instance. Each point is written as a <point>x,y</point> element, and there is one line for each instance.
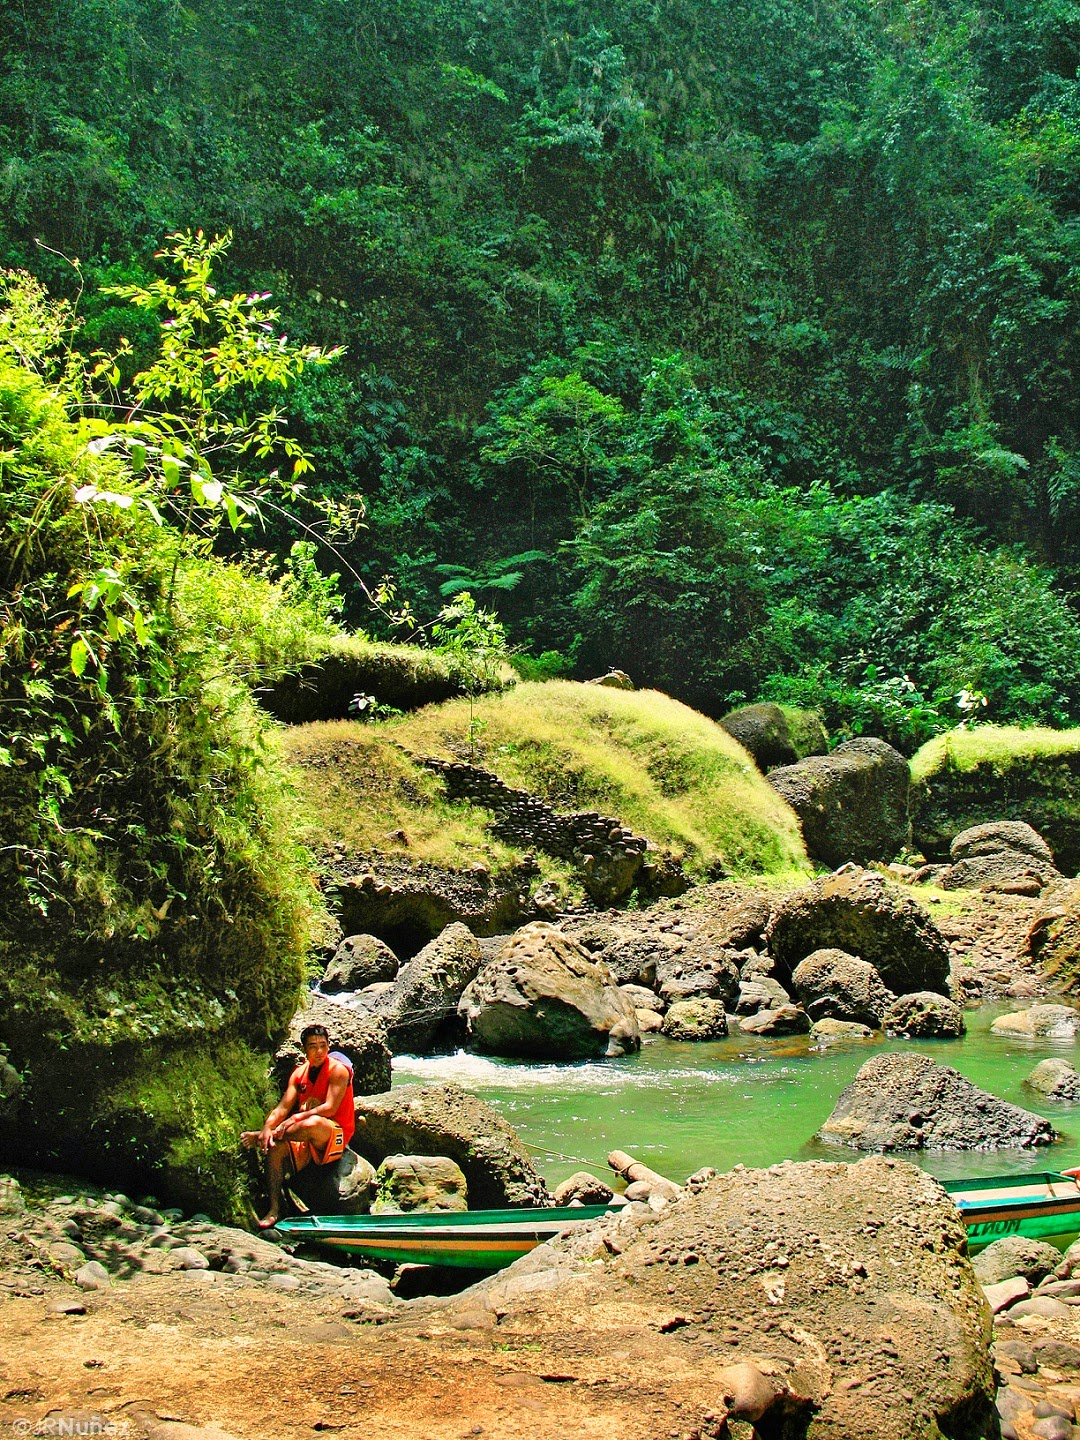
<point>313,1092</point>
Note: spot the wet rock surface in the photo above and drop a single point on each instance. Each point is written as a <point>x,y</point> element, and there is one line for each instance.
<point>908,1102</point>
<point>832,984</point>
<point>924,1015</point>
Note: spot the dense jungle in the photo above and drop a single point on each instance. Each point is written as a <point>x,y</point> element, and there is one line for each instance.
<point>750,327</point>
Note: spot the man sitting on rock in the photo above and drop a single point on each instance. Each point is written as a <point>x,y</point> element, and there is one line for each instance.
<point>313,1121</point>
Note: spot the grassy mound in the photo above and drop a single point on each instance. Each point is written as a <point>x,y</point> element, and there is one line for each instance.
<point>994,772</point>
<point>666,771</point>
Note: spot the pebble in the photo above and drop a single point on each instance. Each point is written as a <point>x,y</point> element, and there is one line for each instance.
<point>284,1282</point>
<point>188,1258</point>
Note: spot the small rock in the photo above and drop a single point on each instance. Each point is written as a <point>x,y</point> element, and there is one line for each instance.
<point>11,1196</point>
<point>785,1020</point>
<point>924,1014</point>
<point>1039,1305</point>
<point>64,1254</point>
<point>829,1032</point>
<point>1005,1293</point>
<point>419,1182</point>
<point>92,1276</point>
<point>1060,1353</point>
<point>699,1019</point>
<point>1053,1427</point>
<point>1016,1255</point>
<point>284,1282</point>
<point>649,1021</point>
<point>1056,1079</point>
<point>65,1307</point>
<point>188,1258</point>
<point>584,1188</point>
<point>1019,1351</point>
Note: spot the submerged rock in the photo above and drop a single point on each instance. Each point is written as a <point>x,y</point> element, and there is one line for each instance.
<point>832,984</point>
<point>856,911</point>
<point>907,1102</point>
<point>1056,1079</point>
<point>428,988</point>
<point>853,804</point>
<point>419,1182</point>
<point>1040,1022</point>
<point>830,1032</point>
<point>766,1293</point>
<point>446,1120</point>
<point>544,997</point>
<point>701,1019</point>
<point>922,1015</point>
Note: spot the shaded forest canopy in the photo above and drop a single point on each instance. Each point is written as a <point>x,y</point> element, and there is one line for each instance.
<point>745,334</point>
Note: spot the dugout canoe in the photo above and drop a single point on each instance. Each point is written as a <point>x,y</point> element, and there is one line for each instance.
<point>472,1239</point>
<point>1039,1205</point>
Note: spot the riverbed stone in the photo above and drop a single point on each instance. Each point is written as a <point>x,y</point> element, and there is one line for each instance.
<point>782,1020</point>
<point>908,1102</point>
<point>93,1276</point>
<point>924,1015</point>
<point>804,1271</point>
<point>359,961</point>
<point>642,998</point>
<point>1056,1079</point>
<point>1040,1022</point>
<point>584,1189</point>
<point>447,1120</point>
<point>760,992</point>
<point>831,984</point>
<point>830,1032</point>
<point>11,1196</point>
<point>344,1187</point>
<point>1004,1293</point>
<point>428,988</point>
<point>700,1019</point>
<point>997,837</point>
<point>1014,1255</point>
<point>544,998</point>
<point>856,911</point>
<point>419,1182</point>
<point>649,1021</point>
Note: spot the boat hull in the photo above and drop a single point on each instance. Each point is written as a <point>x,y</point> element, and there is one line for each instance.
<point>1040,1206</point>
<point>474,1240</point>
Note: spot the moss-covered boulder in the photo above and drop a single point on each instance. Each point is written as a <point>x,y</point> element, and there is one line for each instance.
<point>154,910</point>
<point>776,734</point>
<point>969,778</point>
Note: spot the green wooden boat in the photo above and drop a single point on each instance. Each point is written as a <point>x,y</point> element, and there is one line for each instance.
<point>1039,1205</point>
<point>473,1239</point>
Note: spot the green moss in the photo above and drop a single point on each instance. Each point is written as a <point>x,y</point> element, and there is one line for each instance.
<point>668,772</point>
<point>999,746</point>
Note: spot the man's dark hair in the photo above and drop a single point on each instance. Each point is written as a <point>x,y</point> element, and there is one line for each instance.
<point>310,1030</point>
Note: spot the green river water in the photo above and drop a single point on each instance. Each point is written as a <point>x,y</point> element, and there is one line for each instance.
<point>742,1100</point>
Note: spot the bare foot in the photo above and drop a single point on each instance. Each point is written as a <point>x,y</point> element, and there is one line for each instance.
<point>268,1221</point>
<point>249,1139</point>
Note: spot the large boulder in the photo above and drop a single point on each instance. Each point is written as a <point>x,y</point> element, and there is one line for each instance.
<point>359,960</point>
<point>446,1120</point>
<point>1039,1022</point>
<point>811,1300</point>
<point>544,997</point>
<point>923,1015</point>
<point>991,774</point>
<point>428,988</point>
<point>419,1182</point>
<point>907,1102</point>
<point>855,910</point>
<point>776,734</point>
<point>345,1187</point>
<point>1014,1255</point>
<point>1054,937</point>
<point>834,985</point>
<point>853,804</point>
<point>685,977</point>
<point>355,1032</point>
